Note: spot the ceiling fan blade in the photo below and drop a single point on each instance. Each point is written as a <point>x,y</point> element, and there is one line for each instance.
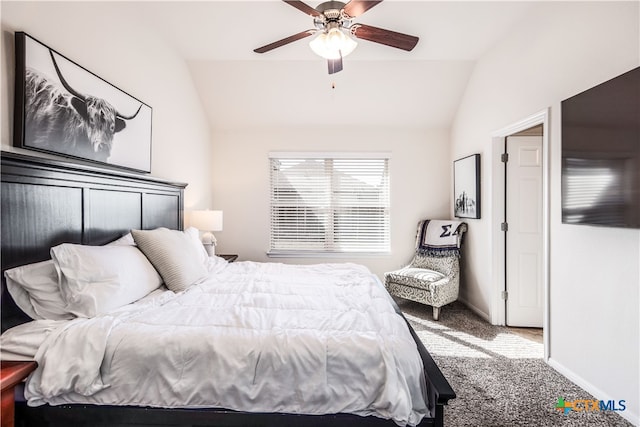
<point>386,37</point>
<point>304,8</point>
<point>284,41</point>
<point>335,65</point>
<point>358,7</point>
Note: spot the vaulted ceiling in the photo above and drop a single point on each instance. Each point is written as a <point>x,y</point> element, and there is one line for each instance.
<point>290,86</point>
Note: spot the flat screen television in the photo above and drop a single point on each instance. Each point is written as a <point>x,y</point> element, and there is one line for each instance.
<point>601,154</point>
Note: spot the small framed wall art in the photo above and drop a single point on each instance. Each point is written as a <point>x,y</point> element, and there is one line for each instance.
<point>64,109</point>
<point>466,187</point>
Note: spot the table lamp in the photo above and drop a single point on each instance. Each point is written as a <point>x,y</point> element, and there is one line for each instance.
<point>207,221</point>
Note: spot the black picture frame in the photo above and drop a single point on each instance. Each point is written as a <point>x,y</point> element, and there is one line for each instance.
<point>466,187</point>
<point>64,109</point>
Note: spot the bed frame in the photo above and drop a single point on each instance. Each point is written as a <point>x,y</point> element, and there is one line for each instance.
<point>47,202</point>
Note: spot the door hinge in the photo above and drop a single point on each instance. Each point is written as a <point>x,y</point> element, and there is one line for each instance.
<point>504,157</point>
<point>504,226</point>
<point>505,295</point>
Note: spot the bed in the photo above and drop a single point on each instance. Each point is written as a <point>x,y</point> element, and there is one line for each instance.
<point>47,202</point>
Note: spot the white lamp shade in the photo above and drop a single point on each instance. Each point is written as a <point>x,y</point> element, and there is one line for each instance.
<point>207,220</point>
<point>333,44</point>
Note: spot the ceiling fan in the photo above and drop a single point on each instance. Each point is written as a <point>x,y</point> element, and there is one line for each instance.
<point>336,31</point>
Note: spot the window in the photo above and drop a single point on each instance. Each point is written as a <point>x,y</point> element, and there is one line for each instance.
<point>329,203</point>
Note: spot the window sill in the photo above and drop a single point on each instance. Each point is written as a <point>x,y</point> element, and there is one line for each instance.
<point>311,254</point>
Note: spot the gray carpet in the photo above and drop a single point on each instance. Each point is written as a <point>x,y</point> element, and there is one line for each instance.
<point>499,377</point>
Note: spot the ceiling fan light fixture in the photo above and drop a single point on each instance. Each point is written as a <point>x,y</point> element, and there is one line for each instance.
<point>335,34</point>
<point>332,44</point>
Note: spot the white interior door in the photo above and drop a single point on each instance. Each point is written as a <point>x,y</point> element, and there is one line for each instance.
<point>524,239</point>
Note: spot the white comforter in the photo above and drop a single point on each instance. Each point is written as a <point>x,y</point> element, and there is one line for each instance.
<point>258,337</point>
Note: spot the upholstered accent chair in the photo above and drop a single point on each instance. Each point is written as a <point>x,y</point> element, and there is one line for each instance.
<point>433,275</point>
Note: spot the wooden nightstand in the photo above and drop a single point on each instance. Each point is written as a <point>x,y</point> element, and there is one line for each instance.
<point>11,374</point>
<point>229,258</point>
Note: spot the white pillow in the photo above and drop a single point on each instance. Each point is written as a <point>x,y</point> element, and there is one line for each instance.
<point>127,240</point>
<point>97,279</point>
<point>194,234</point>
<point>175,254</point>
<point>34,288</point>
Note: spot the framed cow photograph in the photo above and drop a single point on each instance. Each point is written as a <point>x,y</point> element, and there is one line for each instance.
<point>62,108</point>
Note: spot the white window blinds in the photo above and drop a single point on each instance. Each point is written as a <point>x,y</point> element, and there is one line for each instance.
<point>329,203</point>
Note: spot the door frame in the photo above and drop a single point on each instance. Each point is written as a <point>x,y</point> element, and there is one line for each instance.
<point>498,179</point>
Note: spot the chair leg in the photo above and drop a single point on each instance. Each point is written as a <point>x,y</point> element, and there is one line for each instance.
<point>436,313</point>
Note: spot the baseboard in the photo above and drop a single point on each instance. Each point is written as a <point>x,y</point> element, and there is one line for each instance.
<point>632,417</point>
<point>476,310</point>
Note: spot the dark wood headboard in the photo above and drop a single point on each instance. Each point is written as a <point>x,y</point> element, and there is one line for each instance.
<point>47,202</point>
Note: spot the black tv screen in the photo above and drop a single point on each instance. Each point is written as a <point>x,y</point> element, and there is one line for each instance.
<point>601,154</point>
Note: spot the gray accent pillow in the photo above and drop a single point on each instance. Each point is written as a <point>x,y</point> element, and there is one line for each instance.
<point>174,254</point>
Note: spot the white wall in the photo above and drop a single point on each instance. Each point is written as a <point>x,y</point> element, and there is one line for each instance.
<point>420,183</point>
<point>594,272</point>
<point>131,57</point>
